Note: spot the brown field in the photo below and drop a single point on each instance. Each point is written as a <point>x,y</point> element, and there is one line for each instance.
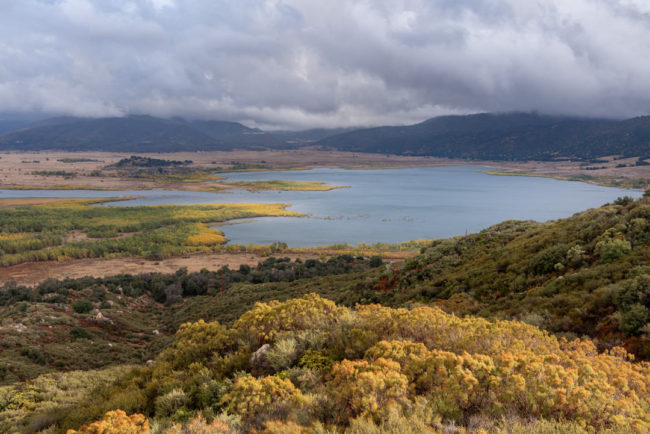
<point>33,273</point>
<point>574,168</point>
<point>16,167</point>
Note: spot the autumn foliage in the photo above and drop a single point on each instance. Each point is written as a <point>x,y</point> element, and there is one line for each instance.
<point>406,370</point>
<point>116,422</point>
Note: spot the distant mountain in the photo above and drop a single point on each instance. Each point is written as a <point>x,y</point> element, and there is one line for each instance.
<point>308,137</point>
<point>512,136</point>
<point>12,121</point>
<point>134,134</point>
<point>515,136</point>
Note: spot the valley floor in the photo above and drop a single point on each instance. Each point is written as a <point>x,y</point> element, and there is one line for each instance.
<point>17,168</point>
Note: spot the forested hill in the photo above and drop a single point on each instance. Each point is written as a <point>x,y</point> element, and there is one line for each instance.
<point>134,133</point>
<point>515,136</point>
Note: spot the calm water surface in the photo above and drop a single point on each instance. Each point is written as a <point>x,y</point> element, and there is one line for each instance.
<point>387,206</point>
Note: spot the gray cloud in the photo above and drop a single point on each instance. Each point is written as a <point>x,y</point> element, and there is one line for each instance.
<point>307,63</point>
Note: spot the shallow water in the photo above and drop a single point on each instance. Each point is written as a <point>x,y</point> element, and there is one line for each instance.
<point>387,206</point>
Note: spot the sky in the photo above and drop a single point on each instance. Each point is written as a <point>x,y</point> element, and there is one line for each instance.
<point>298,64</point>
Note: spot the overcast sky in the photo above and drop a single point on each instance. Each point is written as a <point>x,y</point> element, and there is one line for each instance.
<point>324,63</point>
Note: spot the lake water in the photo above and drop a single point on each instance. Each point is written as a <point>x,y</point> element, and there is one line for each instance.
<point>387,206</point>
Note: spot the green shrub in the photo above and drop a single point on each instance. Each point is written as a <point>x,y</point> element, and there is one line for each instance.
<point>375,262</point>
<point>283,354</point>
<point>82,306</point>
<point>169,403</point>
<point>612,250</point>
<point>316,361</point>
<point>623,200</point>
<point>33,354</point>
<point>547,260</point>
<point>79,333</point>
<point>635,318</point>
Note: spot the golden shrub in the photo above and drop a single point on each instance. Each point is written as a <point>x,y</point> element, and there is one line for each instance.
<point>368,388</point>
<point>266,321</point>
<point>267,396</point>
<point>116,422</point>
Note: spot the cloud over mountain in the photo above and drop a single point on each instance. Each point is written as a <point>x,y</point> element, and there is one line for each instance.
<point>305,63</point>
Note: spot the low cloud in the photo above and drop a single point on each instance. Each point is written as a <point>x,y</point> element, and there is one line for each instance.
<point>306,63</point>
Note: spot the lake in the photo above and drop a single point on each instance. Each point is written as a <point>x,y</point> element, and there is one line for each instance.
<point>387,206</point>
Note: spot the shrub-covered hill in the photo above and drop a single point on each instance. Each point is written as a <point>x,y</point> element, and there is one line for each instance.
<point>502,136</point>
<point>89,323</point>
<point>309,365</point>
<point>585,275</point>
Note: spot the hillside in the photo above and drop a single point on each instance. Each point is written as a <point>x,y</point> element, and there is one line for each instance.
<point>134,133</point>
<point>515,136</point>
<point>308,365</point>
<point>544,310</point>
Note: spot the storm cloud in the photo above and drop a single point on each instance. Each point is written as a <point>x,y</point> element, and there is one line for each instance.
<point>308,63</point>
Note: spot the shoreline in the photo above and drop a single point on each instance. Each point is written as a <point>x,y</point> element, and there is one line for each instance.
<point>47,170</point>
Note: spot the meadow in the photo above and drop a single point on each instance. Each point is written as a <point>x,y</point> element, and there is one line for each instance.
<point>79,228</point>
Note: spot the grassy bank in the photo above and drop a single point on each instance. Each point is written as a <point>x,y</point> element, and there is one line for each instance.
<point>76,229</point>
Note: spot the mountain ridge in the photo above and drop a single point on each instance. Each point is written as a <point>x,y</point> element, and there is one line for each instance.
<point>505,136</point>
<point>142,132</point>
<point>482,136</point>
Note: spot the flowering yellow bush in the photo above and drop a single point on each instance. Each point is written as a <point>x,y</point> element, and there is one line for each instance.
<point>598,390</point>
<point>421,369</point>
<point>199,425</point>
<point>264,397</point>
<point>116,422</point>
<point>265,321</point>
<point>197,341</point>
<point>368,389</point>
<point>437,329</point>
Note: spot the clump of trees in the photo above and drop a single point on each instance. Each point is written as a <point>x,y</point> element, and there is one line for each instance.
<point>171,288</point>
<point>136,161</point>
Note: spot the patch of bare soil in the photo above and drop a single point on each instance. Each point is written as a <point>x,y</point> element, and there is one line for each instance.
<point>35,272</point>
<point>32,273</point>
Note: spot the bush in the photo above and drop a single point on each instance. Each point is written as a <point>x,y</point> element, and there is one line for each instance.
<point>169,403</point>
<point>316,361</point>
<point>612,250</point>
<point>283,354</point>
<point>635,318</point>
<point>116,422</point>
<point>375,262</point>
<point>33,354</point>
<point>546,261</point>
<point>79,333</point>
<point>82,306</point>
<point>623,200</point>
<point>263,398</point>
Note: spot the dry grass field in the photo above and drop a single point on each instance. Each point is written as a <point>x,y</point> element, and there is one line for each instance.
<point>17,169</point>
